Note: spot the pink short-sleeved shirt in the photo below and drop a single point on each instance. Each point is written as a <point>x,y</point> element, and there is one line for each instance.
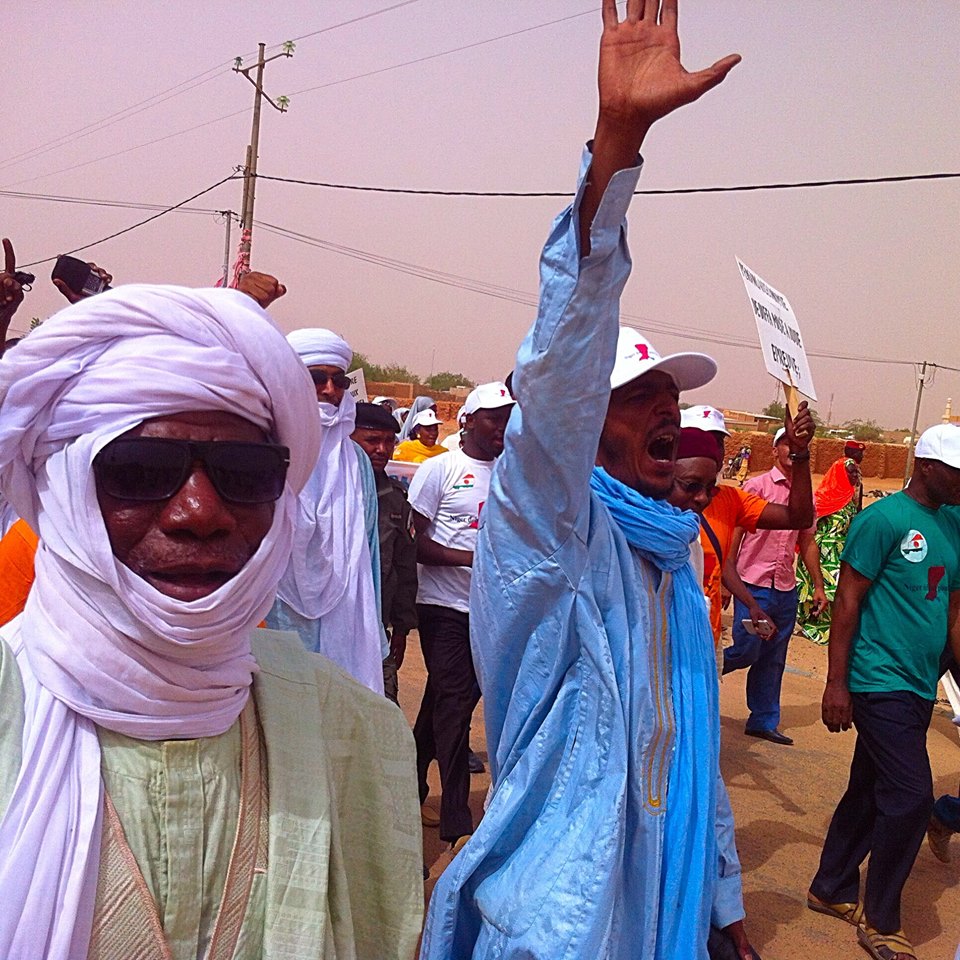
<point>768,558</point>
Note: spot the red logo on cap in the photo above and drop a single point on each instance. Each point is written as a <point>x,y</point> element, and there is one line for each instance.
<point>706,414</point>
<point>503,393</point>
<point>643,351</point>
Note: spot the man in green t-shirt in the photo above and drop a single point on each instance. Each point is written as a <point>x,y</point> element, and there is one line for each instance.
<point>897,604</point>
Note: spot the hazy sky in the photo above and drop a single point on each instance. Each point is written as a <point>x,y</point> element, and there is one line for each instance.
<point>826,90</point>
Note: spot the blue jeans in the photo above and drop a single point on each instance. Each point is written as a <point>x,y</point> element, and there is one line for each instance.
<point>765,658</point>
<point>947,809</point>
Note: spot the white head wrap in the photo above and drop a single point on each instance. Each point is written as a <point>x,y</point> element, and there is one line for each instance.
<point>329,575</point>
<point>96,643</point>
<point>419,405</point>
<point>318,347</point>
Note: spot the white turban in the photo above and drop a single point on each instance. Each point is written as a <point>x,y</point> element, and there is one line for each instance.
<point>96,643</point>
<point>329,577</point>
<point>318,347</point>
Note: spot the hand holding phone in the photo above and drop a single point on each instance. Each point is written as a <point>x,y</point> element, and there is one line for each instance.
<point>77,280</point>
<point>763,629</point>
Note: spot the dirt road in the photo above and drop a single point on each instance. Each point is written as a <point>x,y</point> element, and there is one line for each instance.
<point>783,798</point>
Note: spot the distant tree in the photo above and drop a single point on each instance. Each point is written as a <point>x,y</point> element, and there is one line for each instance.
<point>774,409</point>
<point>446,380</point>
<point>391,373</point>
<point>685,406</point>
<point>863,429</point>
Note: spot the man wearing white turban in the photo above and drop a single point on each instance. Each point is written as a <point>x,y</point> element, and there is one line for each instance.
<point>164,790</point>
<point>330,592</point>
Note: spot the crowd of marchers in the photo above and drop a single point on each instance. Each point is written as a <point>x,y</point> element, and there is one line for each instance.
<point>211,565</point>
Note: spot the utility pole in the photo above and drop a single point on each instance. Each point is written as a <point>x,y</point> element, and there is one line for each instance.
<point>253,149</point>
<point>916,417</point>
<point>228,215</point>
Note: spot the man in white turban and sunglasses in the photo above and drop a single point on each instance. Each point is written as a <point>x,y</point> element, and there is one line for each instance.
<point>330,592</point>
<point>173,782</point>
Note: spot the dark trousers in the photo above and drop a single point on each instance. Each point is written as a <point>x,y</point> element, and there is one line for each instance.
<point>442,730</point>
<point>765,659</point>
<point>885,809</point>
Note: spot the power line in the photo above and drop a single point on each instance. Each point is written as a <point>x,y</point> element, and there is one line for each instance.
<point>110,119</point>
<point>442,53</point>
<point>135,226</point>
<point>94,202</point>
<point>118,153</point>
<point>331,83</point>
<point>674,191</point>
<point>95,126</point>
<point>346,23</point>
<point>530,300</point>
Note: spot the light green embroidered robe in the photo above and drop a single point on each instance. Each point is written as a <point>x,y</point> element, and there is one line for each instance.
<point>344,877</point>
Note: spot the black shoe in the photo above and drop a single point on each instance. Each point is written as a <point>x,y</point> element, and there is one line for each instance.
<point>475,763</point>
<point>774,736</point>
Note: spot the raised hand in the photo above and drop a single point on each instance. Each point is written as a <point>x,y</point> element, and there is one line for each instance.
<point>71,295</point>
<point>800,429</point>
<point>11,292</point>
<point>641,78</point>
<point>261,287</point>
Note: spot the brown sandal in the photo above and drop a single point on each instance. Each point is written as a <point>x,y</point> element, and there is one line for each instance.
<point>851,913</point>
<point>885,946</point>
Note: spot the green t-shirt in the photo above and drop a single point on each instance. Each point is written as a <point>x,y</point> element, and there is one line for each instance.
<point>912,555</point>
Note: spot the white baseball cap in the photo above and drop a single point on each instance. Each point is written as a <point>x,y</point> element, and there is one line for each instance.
<point>636,355</point>
<point>426,418</point>
<point>704,417</point>
<point>779,435</point>
<point>488,396</point>
<point>942,443</point>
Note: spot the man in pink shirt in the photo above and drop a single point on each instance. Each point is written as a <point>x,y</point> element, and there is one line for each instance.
<point>766,563</point>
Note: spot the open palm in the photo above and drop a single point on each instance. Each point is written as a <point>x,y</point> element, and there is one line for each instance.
<point>641,77</point>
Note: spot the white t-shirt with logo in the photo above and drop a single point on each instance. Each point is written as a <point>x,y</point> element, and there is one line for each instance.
<point>450,491</point>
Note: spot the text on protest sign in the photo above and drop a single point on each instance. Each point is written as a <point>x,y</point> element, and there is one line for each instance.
<point>358,385</point>
<point>780,340</point>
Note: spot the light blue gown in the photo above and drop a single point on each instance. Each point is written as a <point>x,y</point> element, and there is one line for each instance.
<point>597,668</point>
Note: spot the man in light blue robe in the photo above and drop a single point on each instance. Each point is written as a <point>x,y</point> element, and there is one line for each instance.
<point>608,833</point>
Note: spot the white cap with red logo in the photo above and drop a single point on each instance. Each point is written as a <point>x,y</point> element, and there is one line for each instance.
<point>426,418</point>
<point>636,355</point>
<point>704,417</point>
<point>488,396</point>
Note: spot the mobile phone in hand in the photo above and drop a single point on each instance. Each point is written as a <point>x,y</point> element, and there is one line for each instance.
<point>763,634</point>
<point>78,276</point>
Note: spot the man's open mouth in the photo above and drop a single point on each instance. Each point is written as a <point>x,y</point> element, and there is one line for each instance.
<point>663,447</point>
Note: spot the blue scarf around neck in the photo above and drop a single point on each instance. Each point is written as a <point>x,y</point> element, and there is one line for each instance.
<point>658,530</point>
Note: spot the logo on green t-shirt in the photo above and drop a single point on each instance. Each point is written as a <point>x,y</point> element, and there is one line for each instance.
<point>913,546</point>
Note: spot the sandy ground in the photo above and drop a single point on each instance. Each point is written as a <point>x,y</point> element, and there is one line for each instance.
<point>783,798</point>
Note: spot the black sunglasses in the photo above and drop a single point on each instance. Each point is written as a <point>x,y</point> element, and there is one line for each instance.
<point>320,379</point>
<point>155,468</point>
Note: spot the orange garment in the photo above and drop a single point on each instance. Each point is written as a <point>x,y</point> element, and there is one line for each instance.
<point>835,490</point>
<point>730,508</point>
<point>17,550</point>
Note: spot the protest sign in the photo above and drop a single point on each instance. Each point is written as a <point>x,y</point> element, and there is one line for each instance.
<point>780,340</point>
<point>401,470</point>
<point>358,385</point>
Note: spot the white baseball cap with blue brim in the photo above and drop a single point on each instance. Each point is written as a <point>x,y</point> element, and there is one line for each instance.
<point>636,355</point>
